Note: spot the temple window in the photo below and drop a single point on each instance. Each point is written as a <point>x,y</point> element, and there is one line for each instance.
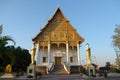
<point>71,59</point>
<point>44,59</point>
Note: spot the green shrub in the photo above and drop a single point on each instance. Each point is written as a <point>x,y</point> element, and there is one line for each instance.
<point>2,69</point>
<point>118,70</point>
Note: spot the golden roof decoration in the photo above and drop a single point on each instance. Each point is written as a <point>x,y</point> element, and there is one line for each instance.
<point>57,23</point>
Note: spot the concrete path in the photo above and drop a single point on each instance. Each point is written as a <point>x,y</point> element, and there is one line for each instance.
<point>8,76</point>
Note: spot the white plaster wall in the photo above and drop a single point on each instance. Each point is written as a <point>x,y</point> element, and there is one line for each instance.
<point>56,52</point>
<point>40,56</point>
<point>73,53</point>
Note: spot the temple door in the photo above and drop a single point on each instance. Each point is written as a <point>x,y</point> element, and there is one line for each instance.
<point>57,61</point>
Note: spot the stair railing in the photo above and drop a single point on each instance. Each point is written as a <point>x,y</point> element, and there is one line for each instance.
<point>66,68</point>
<point>52,67</point>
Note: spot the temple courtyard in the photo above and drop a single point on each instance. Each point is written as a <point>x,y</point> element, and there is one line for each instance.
<point>12,76</point>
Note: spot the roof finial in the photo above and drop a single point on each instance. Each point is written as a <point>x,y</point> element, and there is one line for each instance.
<point>58,6</point>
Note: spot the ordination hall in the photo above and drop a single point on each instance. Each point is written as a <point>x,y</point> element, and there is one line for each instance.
<point>57,46</point>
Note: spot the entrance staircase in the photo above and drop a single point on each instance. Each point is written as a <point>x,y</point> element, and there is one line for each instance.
<point>58,69</point>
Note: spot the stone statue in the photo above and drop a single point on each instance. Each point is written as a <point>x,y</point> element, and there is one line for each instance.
<point>88,53</point>
<point>33,49</point>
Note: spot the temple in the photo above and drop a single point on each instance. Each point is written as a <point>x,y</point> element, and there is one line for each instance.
<point>57,44</point>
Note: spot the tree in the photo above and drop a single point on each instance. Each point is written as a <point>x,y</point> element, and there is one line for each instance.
<point>112,68</point>
<point>116,37</point>
<point>108,66</point>
<point>116,44</point>
<point>4,58</point>
<point>19,58</point>
<point>4,39</point>
<point>0,29</point>
<point>22,59</point>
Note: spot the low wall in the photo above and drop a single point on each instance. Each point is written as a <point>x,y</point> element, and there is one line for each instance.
<point>42,69</point>
<point>74,69</point>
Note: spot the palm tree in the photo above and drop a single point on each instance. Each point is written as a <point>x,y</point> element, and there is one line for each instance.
<point>4,39</point>
<point>0,29</point>
<point>4,56</point>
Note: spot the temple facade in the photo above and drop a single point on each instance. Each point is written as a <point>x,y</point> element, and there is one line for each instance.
<point>57,43</point>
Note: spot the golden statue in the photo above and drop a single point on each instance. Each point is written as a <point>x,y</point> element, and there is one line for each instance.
<point>88,53</point>
<point>33,54</point>
<point>8,68</point>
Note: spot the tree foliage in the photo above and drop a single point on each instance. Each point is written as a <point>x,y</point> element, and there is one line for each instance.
<point>116,37</point>
<point>18,57</point>
<point>116,44</point>
<point>108,66</point>
<point>4,39</point>
<point>0,29</point>
<point>22,59</point>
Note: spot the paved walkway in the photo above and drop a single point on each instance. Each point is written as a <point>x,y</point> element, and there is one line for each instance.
<point>8,76</point>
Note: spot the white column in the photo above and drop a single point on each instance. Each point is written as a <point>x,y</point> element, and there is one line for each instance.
<point>67,49</point>
<point>48,53</point>
<point>37,55</point>
<point>78,52</point>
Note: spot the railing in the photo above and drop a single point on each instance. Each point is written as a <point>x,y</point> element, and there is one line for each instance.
<point>66,68</point>
<point>51,67</point>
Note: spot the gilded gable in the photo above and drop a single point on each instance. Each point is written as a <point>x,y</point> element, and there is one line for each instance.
<point>58,28</point>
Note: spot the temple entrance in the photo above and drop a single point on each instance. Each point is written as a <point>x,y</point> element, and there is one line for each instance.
<point>57,61</point>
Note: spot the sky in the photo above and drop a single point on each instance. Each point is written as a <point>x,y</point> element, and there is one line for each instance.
<point>94,20</point>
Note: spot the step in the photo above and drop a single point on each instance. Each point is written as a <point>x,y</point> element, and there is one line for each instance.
<point>58,70</point>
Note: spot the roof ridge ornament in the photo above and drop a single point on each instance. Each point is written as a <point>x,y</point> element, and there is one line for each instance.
<point>58,6</point>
